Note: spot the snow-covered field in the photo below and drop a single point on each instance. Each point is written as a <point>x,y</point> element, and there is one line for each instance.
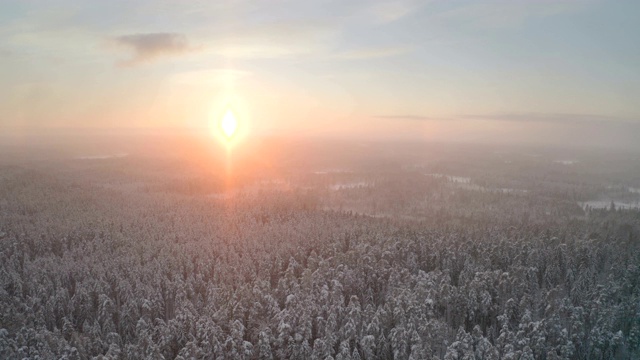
<point>466,183</point>
<point>566,162</point>
<point>605,204</point>
<point>154,258</point>
<point>451,178</point>
<point>351,185</point>
<point>102,157</point>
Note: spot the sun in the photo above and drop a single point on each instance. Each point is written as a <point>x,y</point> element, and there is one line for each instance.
<point>229,124</point>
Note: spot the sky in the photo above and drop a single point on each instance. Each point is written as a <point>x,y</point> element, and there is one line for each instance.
<point>556,71</point>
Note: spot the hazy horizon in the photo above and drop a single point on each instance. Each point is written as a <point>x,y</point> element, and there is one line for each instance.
<point>320,180</point>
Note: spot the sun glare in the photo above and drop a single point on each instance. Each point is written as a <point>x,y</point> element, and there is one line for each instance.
<point>229,124</point>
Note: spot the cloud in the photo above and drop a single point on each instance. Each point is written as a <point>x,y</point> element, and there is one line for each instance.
<point>557,118</point>
<point>265,50</point>
<point>371,53</point>
<point>210,76</point>
<point>282,39</point>
<point>390,11</point>
<point>148,47</point>
<point>550,118</point>
<point>507,14</point>
<point>413,117</point>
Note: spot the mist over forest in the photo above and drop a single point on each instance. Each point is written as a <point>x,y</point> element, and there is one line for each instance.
<point>319,180</point>
<point>170,247</point>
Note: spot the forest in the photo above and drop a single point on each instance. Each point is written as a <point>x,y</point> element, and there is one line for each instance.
<point>402,252</point>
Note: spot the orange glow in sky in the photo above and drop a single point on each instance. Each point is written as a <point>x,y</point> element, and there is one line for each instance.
<point>404,69</point>
<point>229,124</point>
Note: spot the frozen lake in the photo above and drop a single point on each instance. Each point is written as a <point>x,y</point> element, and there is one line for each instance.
<point>566,162</point>
<point>605,204</point>
<point>350,185</point>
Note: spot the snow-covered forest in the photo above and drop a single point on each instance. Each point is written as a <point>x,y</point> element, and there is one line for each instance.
<point>465,254</point>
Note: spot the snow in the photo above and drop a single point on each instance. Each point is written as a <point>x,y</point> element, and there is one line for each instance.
<point>510,190</point>
<point>451,178</point>
<point>605,204</point>
<point>566,162</point>
<point>351,185</point>
<point>332,171</point>
<point>465,183</point>
<point>267,273</point>
<point>102,157</point>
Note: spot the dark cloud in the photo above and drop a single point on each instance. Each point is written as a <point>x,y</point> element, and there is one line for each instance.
<point>147,47</point>
<point>558,118</point>
<point>555,118</point>
<point>412,117</point>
